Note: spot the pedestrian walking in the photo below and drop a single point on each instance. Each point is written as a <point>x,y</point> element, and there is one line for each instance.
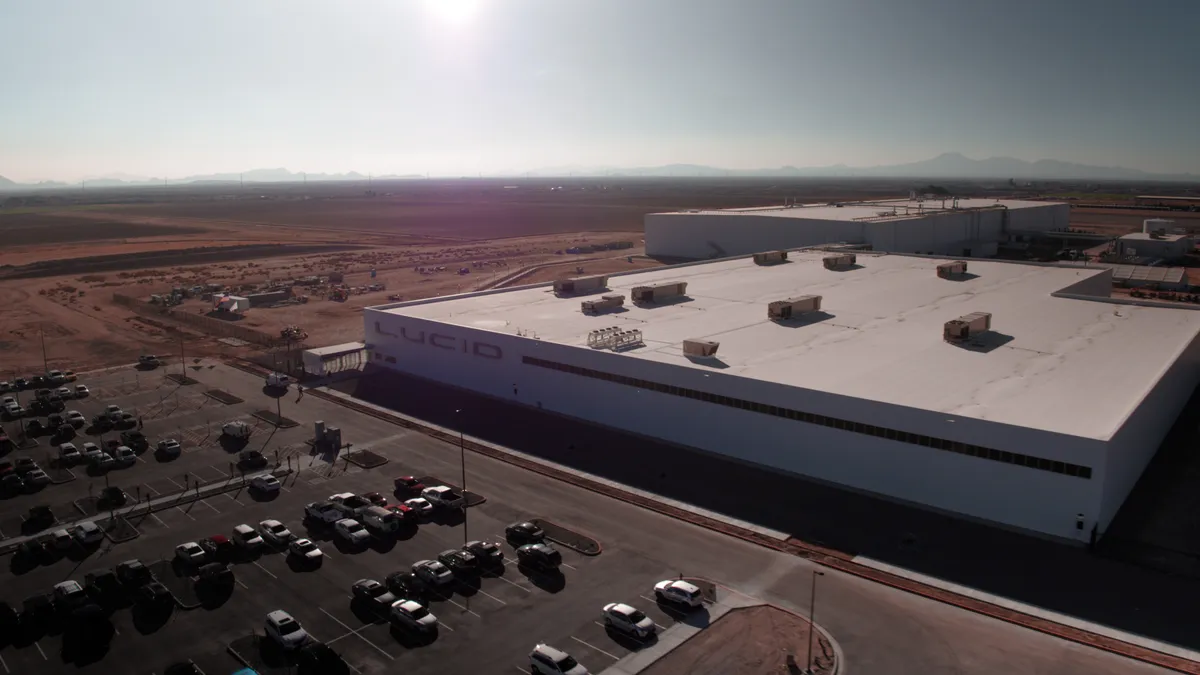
<point>140,424</point>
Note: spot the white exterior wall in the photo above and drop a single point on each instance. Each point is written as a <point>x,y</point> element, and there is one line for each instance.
<point>1132,448</point>
<point>1016,496</point>
<point>948,233</point>
<point>1156,248</point>
<point>1040,219</point>
<point>693,235</point>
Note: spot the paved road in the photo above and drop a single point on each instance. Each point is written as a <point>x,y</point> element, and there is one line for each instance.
<point>880,630</point>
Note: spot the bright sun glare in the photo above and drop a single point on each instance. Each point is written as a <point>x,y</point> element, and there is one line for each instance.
<point>457,11</point>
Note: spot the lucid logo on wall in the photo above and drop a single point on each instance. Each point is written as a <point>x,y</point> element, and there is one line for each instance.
<point>448,342</point>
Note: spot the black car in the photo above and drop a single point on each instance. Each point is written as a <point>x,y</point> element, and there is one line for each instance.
<point>102,423</point>
<point>154,595</point>
<point>21,383</point>
<point>215,574</point>
<point>63,433</point>
<point>12,484</point>
<point>133,574</point>
<point>251,459</point>
<point>36,551</point>
<point>41,394</point>
<point>113,496</point>
<point>318,658</point>
<point>37,381</point>
<point>459,562</point>
<point>9,619</point>
<point>405,585</point>
<point>135,439</point>
<point>55,421</point>
<point>40,517</point>
<point>524,532</point>
<point>102,584</point>
<point>34,427</point>
<point>88,629</point>
<point>485,552</point>
<point>24,465</point>
<point>37,608</point>
<point>539,556</point>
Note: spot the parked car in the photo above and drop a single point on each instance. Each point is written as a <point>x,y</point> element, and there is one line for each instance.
<point>547,660</point>
<point>251,459</point>
<point>539,556</point>
<point>373,594</point>
<point>420,506</point>
<point>81,391</point>
<point>169,447</point>
<point>76,419</point>
<point>236,429</point>
<point>63,433</point>
<point>21,383</point>
<point>376,498</point>
<point>485,552</point>
<point>412,615</point>
<point>62,540</point>
<point>217,547</point>
<point>155,595</point>
<point>40,516</point>
<point>403,512</point>
<point>408,485</point>
<point>524,532</point>
<point>135,439</point>
<point>102,585</point>
<point>215,575</point>
<point>406,585</point>
<point>265,484</point>
<point>190,553</point>
<point>124,456</point>
<point>459,561</point>
<point>112,495</point>
<point>352,532</point>
<point>37,478</point>
<point>64,393</point>
<point>24,465</point>
<point>102,422</point>
<point>306,550</point>
<point>247,537</point>
<point>273,532</point>
<point>69,594</point>
<point>443,497</point>
<point>628,619</point>
<point>132,573</point>
<point>318,658</point>
<point>148,360</point>
<point>88,533</point>
<point>322,512</point>
<point>55,377</point>
<point>432,572</point>
<point>679,592</point>
<point>12,484</point>
<point>285,630</point>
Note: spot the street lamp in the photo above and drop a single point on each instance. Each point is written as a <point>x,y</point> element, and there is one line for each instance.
<point>812,627</point>
<point>462,456</point>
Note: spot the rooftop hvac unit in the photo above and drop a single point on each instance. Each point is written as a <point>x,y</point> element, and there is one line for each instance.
<point>700,348</point>
<point>770,257</point>
<point>614,338</point>
<point>580,285</point>
<point>782,310</point>
<point>951,269</point>
<point>967,326</point>
<point>644,295</point>
<point>604,304</point>
<point>839,261</point>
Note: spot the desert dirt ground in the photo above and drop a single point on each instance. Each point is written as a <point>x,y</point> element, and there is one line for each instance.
<point>62,257</point>
<point>764,637</point>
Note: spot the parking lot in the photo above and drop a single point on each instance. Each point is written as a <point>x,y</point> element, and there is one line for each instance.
<point>496,613</point>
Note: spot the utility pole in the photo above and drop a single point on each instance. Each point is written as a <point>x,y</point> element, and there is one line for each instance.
<point>462,454</point>
<point>45,361</point>
<point>812,627</point>
<point>182,361</point>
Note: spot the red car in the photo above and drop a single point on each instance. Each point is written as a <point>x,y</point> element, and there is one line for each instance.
<point>376,498</point>
<point>406,514</point>
<point>409,485</point>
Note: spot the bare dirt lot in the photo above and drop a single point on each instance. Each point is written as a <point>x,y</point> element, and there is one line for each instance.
<point>64,253</point>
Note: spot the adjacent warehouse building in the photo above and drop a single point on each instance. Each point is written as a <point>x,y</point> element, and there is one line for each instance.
<point>954,227</point>
<point>1019,394</point>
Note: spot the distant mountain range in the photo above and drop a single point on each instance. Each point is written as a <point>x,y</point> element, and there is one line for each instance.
<point>946,165</point>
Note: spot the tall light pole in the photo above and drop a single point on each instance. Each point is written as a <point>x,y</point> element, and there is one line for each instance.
<point>45,361</point>
<point>812,611</point>
<point>462,456</point>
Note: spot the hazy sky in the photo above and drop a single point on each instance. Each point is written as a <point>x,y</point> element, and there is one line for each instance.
<point>154,87</point>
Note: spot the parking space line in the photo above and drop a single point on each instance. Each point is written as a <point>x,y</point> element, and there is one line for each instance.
<point>239,582</point>
<point>156,492</point>
<point>491,596</point>
<point>451,601</point>
<point>160,520</point>
<point>172,482</point>
<point>570,567</point>
<point>594,647</point>
<point>519,669</point>
<point>356,633</point>
<point>214,468</point>
<point>269,573</point>
<point>513,583</point>
<point>39,648</point>
<point>205,502</point>
<point>2,663</point>
<point>185,513</point>
<point>234,499</point>
<point>447,627</point>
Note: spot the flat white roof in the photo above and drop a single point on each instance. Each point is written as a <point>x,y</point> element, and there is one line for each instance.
<point>874,210</point>
<point>1145,236</point>
<point>337,350</point>
<point>1065,365</point>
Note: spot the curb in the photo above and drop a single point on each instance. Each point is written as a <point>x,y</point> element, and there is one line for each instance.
<point>829,557</point>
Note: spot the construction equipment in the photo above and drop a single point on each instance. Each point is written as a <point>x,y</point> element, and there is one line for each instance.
<point>293,333</point>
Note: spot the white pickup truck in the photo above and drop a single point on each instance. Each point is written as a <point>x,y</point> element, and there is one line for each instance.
<point>323,512</point>
<point>442,497</point>
<point>278,380</point>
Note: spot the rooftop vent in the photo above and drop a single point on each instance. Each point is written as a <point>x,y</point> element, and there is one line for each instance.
<point>604,304</point>
<point>580,285</point>
<point>700,348</point>
<point>839,261</point>
<point>770,257</point>
<point>614,338</point>
<point>967,326</point>
<point>782,310</point>
<point>951,269</point>
<point>645,295</point>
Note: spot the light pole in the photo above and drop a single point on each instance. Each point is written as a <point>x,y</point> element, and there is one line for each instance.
<point>45,361</point>
<point>812,611</point>
<point>462,456</point>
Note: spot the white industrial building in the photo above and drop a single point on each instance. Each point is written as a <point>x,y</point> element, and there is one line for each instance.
<point>1043,423</point>
<point>954,227</point>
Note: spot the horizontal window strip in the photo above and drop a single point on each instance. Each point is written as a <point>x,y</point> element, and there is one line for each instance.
<point>978,451</point>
